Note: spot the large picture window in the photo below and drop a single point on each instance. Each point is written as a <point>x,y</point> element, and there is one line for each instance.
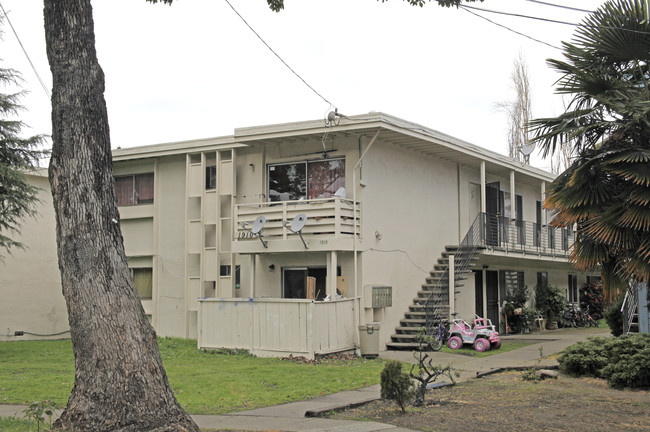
<point>306,180</point>
<point>134,189</point>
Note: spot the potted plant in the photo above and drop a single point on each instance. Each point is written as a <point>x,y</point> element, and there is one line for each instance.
<point>552,305</point>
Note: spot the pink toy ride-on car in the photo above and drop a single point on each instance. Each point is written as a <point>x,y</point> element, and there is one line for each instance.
<point>482,336</point>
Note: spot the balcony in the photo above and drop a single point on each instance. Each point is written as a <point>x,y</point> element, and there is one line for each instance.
<point>332,224</point>
<point>503,234</point>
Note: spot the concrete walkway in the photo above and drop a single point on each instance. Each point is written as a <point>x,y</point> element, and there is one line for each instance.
<point>292,416</point>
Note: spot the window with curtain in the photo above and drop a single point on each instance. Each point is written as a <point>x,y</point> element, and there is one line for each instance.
<point>143,282</point>
<point>306,180</point>
<point>134,189</point>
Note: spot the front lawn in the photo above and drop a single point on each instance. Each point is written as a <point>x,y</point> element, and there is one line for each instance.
<point>204,382</point>
<point>468,350</point>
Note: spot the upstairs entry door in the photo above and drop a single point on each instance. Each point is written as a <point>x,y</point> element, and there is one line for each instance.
<point>493,210</point>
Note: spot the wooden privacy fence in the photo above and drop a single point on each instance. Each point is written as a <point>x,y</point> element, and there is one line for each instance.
<point>269,327</point>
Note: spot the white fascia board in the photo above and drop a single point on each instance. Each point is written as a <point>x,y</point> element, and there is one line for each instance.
<point>174,148</point>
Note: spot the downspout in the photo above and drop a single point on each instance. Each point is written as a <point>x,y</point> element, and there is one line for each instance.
<point>354,203</point>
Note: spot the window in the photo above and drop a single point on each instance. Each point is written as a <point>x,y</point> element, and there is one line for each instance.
<point>134,189</point>
<point>593,280</point>
<point>211,177</point>
<point>573,288</point>
<point>143,282</point>
<point>226,271</point>
<point>514,281</point>
<point>305,180</point>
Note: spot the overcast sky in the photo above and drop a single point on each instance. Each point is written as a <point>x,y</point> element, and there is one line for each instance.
<point>195,70</point>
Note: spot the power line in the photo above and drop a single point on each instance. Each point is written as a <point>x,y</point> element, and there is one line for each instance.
<point>508,28</point>
<point>47,92</point>
<point>277,55</point>
<point>560,6</point>
<point>587,25</point>
<point>520,16</point>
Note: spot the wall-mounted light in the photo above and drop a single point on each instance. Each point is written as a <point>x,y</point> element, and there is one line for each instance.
<point>251,166</point>
<point>272,267</point>
<point>485,266</point>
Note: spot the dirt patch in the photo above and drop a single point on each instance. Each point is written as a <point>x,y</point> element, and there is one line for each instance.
<point>506,402</point>
<point>328,358</point>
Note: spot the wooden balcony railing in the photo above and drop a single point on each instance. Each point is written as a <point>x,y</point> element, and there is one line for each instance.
<point>327,219</point>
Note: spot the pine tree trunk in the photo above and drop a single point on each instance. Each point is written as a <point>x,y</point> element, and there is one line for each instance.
<point>120,382</point>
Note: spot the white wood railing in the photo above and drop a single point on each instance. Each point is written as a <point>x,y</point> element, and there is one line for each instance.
<point>279,327</point>
<point>334,217</point>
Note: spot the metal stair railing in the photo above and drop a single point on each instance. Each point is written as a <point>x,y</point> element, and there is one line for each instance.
<point>466,251</point>
<point>630,306</point>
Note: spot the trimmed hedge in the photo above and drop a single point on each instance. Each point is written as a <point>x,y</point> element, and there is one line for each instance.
<point>623,361</point>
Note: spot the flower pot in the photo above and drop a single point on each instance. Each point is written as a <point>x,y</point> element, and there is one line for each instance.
<point>551,325</point>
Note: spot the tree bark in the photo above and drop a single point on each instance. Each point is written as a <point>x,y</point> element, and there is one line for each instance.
<point>120,382</point>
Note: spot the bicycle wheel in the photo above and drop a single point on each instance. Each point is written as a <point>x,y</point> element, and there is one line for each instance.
<point>438,341</point>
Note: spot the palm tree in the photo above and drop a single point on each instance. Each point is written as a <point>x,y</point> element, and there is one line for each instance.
<point>606,190</point>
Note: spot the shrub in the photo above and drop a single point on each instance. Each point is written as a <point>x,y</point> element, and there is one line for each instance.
<point>614,316</point>
<point>396,385</point>
<point>518,296</point>
<point>550,302</point>
<point>629,364</point>
<point>623,361</point>
<point>584,358</point>
<point>591,296</point>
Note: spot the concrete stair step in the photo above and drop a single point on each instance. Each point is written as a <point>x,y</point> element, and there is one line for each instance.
<point>404,337</point>
<point>407,330</point>
<point>411,322</point>
<point>403,346</point>
<point>439,298</point>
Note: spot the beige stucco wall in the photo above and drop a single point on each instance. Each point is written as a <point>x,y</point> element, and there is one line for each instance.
<point>30,283</point>
<point>154,235</point>
<point>409,212</point>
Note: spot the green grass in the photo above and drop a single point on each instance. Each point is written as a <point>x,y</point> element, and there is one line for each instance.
<point>602,323</point>
<point>204,382</point>
<point>468,350</point>
<point>18,425</point>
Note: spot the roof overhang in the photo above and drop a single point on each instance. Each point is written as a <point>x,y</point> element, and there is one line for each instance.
<point>401,133</point>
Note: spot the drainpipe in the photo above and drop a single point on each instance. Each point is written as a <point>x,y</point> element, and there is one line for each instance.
<point>354,203</point>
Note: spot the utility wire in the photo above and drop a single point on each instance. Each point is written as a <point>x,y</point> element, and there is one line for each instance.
<point>276,54</point>
<point>520,15</point>
<point>556,21</point>
<point>560,6</point>
<point>467,9</point>
<point>508,28</point>
<point>45,89</point>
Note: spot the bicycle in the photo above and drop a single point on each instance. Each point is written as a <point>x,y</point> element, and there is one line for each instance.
<point>439,332</point>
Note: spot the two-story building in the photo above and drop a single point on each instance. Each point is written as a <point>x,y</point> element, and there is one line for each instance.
<point>284,238</point>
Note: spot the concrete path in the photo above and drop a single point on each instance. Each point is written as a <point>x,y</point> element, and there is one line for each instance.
<point>292,416</point>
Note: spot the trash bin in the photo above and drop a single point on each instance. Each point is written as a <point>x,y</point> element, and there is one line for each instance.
<point>369,340</point>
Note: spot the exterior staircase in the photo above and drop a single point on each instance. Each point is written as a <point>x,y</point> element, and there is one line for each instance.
<point>630,310</point>
<point>432,301</point>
